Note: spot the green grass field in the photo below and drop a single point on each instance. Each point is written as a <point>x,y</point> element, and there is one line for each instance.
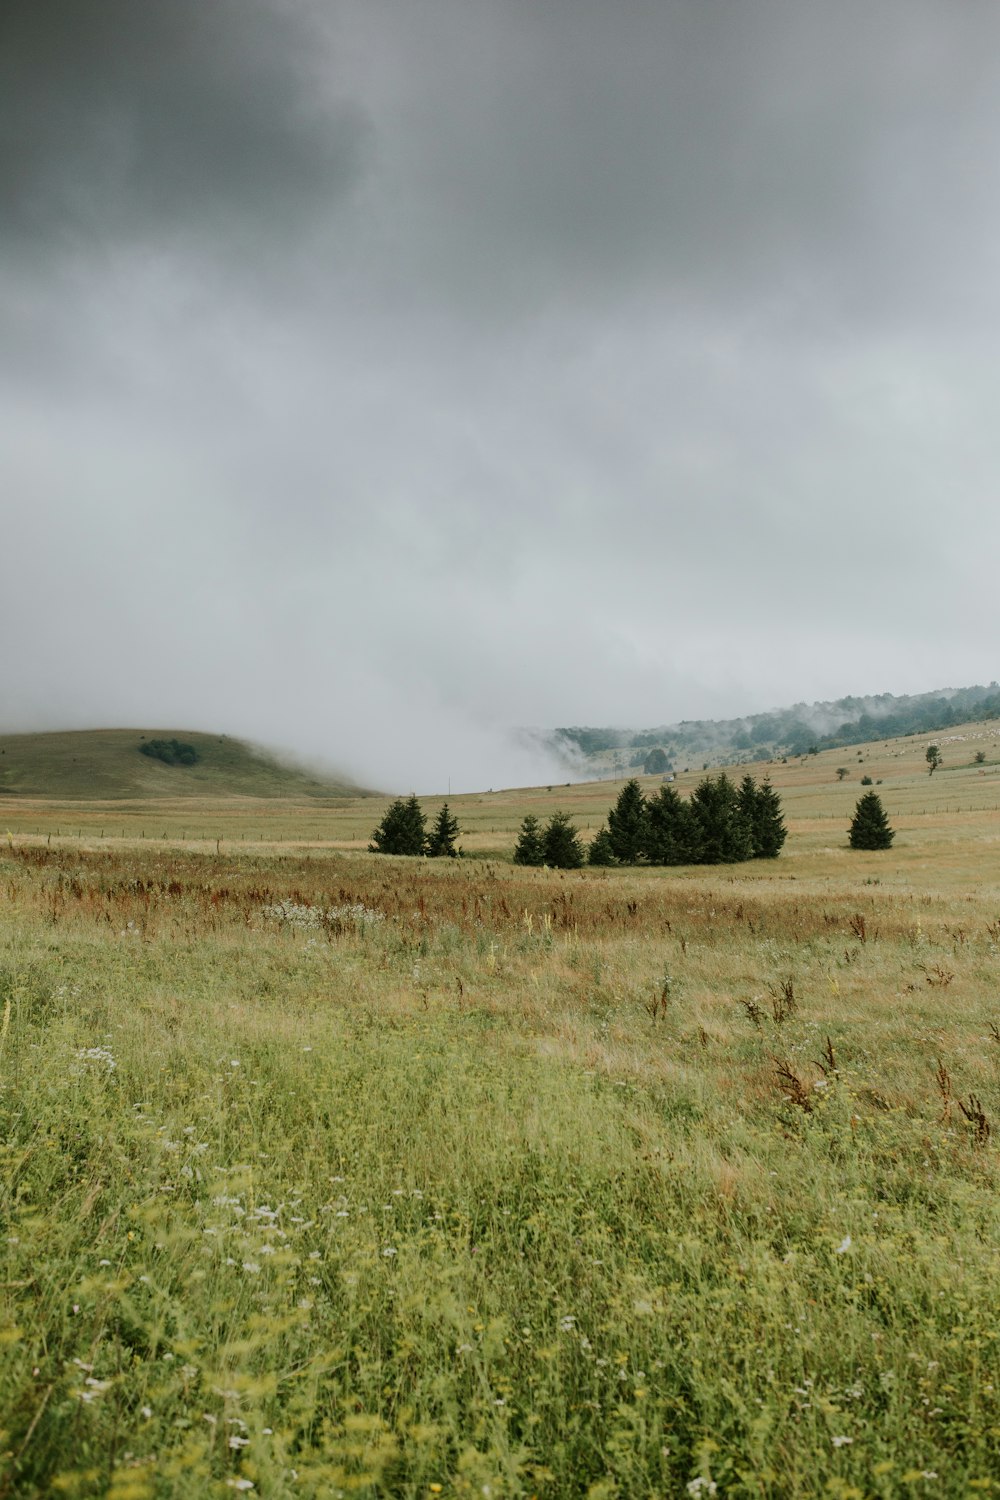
<point>332,1174</point>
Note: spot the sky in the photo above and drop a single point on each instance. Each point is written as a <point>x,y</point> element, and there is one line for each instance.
<point>378,379</point>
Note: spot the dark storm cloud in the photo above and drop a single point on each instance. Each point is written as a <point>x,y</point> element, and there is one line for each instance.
<point>833,157</point>
<point>145,119</point>
<point>377,376</point>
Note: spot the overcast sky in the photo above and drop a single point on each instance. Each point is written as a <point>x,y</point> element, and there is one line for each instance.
<point>377,377</point>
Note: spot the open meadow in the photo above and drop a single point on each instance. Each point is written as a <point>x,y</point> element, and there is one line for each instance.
<point>328,1173</point>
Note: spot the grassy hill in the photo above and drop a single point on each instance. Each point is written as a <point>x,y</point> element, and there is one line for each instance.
<point>107,764</point>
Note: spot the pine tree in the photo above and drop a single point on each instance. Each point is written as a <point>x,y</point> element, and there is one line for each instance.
<point>529,849</point>
<point>669,829</point>
<point>443,835</point>
<point>761,806</point>
<point>627,824</point>
<point>600,851</point>
<point>561,844</point>
<point>870,825</point>
<point>723,832</point>
<point>402,830</point>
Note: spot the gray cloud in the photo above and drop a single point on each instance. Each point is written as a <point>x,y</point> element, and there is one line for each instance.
<point>152,122</point>
<point>377,378</point>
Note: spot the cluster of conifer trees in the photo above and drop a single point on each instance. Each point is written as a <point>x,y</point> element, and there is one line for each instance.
<point>403,830</point>
<point>720,823</point>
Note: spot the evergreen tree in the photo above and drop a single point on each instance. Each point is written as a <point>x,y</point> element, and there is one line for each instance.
<point>627,824</point>
<point>443,835</point>
<point>561,844</point>
<point>761,806</point>
<point>529,849</point>
<point>600,851</point>
<point>870,825</point>
<point>402,830</point>
<point>722,830</point>
<point>669,829</point>
<point>655,762</point>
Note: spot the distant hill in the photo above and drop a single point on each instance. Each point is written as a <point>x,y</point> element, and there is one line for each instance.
<point>111,764</point>
<point>784,731</point>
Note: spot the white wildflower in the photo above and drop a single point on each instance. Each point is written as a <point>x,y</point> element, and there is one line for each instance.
<point>97,1055</point>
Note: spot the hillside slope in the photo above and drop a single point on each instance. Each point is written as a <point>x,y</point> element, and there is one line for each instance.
<point>108,764</point>
<point>785,731</point>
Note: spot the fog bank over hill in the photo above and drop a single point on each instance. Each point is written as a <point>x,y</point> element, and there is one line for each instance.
<point>791,731</point>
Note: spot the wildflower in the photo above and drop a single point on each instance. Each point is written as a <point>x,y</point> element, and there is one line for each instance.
<point>97,1055</point>
<point>240,1484</point>
<point>840,1441</point>
<point>844,1246</point>
<point>696,1486</point>
<point>235,1441</point>
<point>388,1250</point>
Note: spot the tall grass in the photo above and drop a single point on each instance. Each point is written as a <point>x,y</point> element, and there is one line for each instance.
<point>348,1176</point>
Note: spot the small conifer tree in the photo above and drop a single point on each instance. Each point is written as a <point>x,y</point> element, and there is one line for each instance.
<point>402,830</point>
<point>561,844</point>
<point>724,833</point>
<point>627,824</point>
<point>600,851</point>
<point>761,806</point>
<point>669,829</point>
<point>443,835</point>
<point>870,826</point>
<point>529,850</point>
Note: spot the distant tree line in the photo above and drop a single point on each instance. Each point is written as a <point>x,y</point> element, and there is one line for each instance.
<point>720,823</point>
<point>791,731</point>
<point>403,830</point>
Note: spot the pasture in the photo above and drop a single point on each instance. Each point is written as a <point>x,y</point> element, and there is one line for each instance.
<point>333,1174</point>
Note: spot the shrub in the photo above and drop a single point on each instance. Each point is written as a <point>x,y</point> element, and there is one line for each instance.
<point>171,752</point>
